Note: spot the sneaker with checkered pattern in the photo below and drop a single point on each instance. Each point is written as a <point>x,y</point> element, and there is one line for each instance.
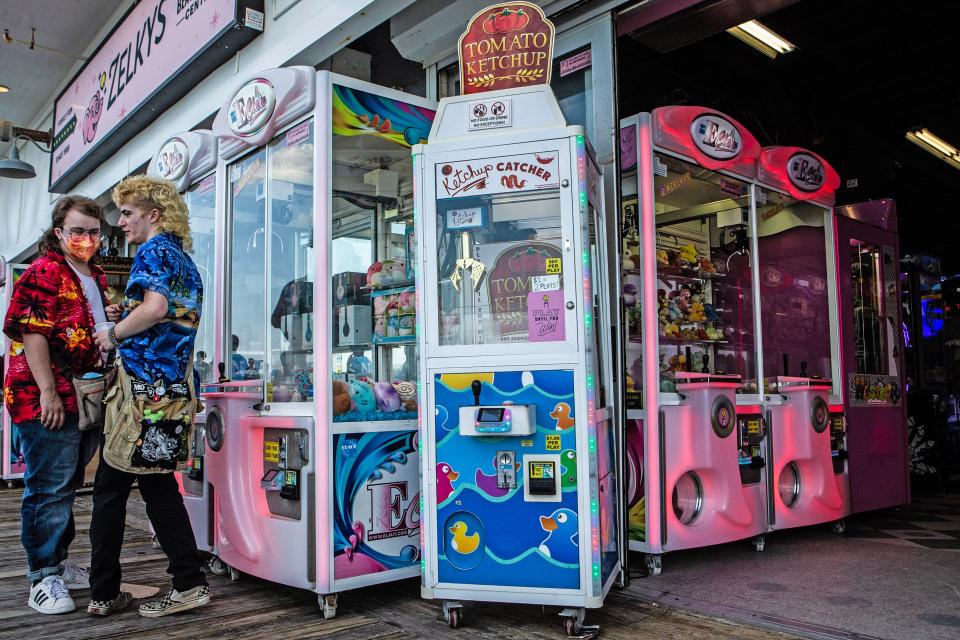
<point>175,602</point>
<point>106,607</point>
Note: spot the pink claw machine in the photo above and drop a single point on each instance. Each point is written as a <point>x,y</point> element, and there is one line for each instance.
<point>189,159</point>
<point>12,466</point>
<point>312,454</point>
<point>695,430</point>
<point>807,471</point>
<point>873,382</point>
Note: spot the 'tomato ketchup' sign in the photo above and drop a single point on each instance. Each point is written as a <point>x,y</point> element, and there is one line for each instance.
<point>506,45</point>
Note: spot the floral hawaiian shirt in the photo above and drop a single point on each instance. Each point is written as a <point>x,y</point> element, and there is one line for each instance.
<point>48,299</point>
<point>163,351</point>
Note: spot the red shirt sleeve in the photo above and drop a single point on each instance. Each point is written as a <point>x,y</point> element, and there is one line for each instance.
<point>33,304</point>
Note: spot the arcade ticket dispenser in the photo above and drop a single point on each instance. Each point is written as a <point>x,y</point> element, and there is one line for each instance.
<point>189,160</point>
<point>807,475</point>
<point>311,436</point>
<point>519,445</point>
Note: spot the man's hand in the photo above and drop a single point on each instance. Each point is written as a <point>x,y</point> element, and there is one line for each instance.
<point>51,410</point>
<point>114,311</point>
<point>104,342</point>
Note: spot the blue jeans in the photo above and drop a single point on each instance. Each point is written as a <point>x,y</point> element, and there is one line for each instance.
<point>46,514</point>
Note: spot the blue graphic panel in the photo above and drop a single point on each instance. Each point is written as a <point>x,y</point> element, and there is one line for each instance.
<point>492,536</point>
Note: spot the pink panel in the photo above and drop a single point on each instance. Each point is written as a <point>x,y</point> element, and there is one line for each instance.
<point>712,139</point>
<point>801,173</point>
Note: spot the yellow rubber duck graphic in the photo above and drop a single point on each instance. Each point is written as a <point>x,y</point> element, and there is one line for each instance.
<point>462,543</point>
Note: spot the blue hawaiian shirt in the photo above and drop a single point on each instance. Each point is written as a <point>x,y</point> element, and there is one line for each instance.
<point>162,351</point>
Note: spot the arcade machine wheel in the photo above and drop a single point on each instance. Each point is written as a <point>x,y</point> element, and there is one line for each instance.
<point>217,566</point>
<point>759,542</point>
<point>329,605</point>
<point>839,527</point>
<point>573,621</point>
<point>654,564</point>
<point>234,574</point>
<point>452,613</point>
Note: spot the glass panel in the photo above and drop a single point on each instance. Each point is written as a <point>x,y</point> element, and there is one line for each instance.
<point>794,290</point>
<point>292,264</point>
<point>374,303</point>
<point>704,286</point>
<point>247,204</point>
<point>486,272</point>
<point>572,82</point>
<point>871,345</point>
<point>201,201</point>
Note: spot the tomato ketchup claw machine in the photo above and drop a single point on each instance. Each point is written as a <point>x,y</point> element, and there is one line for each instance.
<point>695,428</point>
<point>189,160</point>
<point>807,471</point>
<point>519,445</point>
<point>312,454</point>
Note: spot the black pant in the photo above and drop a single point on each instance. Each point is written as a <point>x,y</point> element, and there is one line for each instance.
<point>167,515</point>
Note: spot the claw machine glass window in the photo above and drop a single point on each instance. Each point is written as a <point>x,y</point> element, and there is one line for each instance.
<point>794,283</point>
<point>874,289</point>
<point>201,201</point>
<point>704,278</point>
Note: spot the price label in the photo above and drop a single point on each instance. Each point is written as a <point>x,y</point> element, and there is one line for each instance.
<point>553,442</point>
<point>271,451</point>
<point>545,283</point>
<point>554,265</point>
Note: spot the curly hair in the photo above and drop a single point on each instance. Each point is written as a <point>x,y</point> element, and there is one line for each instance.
<point>63,206</point>
<point>157,194</point>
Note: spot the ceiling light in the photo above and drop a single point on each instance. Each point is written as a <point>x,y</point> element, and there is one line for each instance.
<point>13,167</point>
<point>4,88</point>
<point>938,147</point>
<point>762,38</point>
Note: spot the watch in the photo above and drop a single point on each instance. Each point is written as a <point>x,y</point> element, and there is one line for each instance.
<point>112,336</point>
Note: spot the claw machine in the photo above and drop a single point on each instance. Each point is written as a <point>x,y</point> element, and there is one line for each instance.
<point>520,447</point>
<point>13,466</point>
<point>311,447</point>
<point>189,160</point>
<point>695,427</point>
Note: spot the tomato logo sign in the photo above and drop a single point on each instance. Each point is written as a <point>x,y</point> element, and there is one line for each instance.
<point>506,45</point>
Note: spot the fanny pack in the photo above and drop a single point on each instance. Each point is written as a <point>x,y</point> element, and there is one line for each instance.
<point>144,430</point>
<point>89,390</point>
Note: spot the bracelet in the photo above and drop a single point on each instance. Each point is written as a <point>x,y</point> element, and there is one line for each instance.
<point>112,336</point>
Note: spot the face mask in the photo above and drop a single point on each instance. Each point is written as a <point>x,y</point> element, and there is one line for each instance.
<point>82,248</point>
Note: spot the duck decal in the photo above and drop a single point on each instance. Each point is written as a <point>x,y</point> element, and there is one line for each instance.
<point>563,534</point>
<point>568,460</point>
<point>561,413</point>
<point>488,484</point>
<point>461,542</point>
<point>445,477</point>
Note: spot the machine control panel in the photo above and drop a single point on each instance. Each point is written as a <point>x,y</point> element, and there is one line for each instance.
<point>838,441</point>
<point>750,431</point>
<point>542,478</point>
<point>498,420</point>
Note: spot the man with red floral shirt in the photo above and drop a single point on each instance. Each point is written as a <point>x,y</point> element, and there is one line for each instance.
<point>50,320</point>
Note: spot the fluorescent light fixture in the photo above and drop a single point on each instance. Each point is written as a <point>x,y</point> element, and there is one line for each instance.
<point>762,38</point>
<point>4,88</point>
<point>937,146</point>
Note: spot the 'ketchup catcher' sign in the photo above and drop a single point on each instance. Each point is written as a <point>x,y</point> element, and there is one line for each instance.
<point>506,45</point>
<point>506,174</point>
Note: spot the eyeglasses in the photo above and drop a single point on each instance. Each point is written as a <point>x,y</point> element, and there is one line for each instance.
<point>77,234</point>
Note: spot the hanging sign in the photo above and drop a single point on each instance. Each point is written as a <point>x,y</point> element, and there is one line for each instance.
<point>801,173</point>
<point>506,45</point>
<point>805,172</point>
<point>155,55</point>
<point>172,159</point>
<point>714,140</point>
<point>506,174</point>
<point>716,137</point>
<point>251,107</point>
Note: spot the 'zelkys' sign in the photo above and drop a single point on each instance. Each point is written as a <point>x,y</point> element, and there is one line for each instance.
<point>506,45</point>
<point>157,52</point>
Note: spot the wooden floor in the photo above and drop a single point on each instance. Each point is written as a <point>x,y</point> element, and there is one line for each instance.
<point>252,608</point>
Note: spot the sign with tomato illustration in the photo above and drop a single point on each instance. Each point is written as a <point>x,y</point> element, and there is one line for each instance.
<point>509,286</point>
<point>506,45</point>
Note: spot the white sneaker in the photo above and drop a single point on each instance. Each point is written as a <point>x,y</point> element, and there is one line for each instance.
<point>50,595</point>
<point>74,576</point>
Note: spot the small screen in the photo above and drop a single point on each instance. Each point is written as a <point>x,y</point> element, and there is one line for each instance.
<point>270,475</point>
<point>490,414</point>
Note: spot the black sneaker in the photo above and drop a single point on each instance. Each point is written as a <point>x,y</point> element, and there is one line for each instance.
<point>175,602</point>
<point>106,607</point>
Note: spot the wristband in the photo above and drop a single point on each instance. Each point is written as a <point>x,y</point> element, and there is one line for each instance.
<point>112,336</point>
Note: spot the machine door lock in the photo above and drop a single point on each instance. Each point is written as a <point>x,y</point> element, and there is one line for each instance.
<point>570,305</point>
<point>506,470</point>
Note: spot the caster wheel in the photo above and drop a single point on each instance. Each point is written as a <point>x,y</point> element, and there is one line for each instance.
<point>10,484</point>
<point>329,605</point>
<point>759,543</point>
<point>573,621</point>
<point>839,527</point>
<point>654,564</point>
<point>217,566</point>
<point>234,574</point>
<point>452,614</point>
<point>570,627</point>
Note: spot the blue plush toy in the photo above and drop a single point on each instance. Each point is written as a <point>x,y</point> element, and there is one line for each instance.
<point>364,400</point>
<point>710,312</point>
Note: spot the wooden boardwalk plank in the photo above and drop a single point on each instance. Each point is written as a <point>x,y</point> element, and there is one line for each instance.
<point>250,608</point>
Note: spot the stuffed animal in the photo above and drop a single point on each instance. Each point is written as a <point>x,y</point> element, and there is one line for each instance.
<point>341,397</point>
<point>663,258</point>
<point>714,333</point>
<point>393,317</point>
<point>697,313</point>
<point>672,330</point>
<point>674,313</point>
<point>710,312</point>
<point>408,394</point>
<point>361,393</point>
<point>388,400</point>
<point>386,273</point>
<point>374,274</point>
<point>405,327</point>
<point>629,294</point>
<point>407,302</point>
<point>398,270</point>
<point>688,255</point>
<point>631,259</point>
<point>706,266</point>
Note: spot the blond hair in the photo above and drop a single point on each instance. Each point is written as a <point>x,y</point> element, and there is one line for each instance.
<point>158,194</point>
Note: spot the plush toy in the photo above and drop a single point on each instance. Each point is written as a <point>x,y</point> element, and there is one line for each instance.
<point>697,313</point>
<point>393,317</point>
<point>674,313</point>
<point>672,330</point>
<point>386,272</point>
<point>388,400</point>
<point>361,392</point>
<point>374,274</point>
<point>663,258</point>
<point>341,397</point>
<point>408,394</point>
<point>714,333</point>
<point>710,312</point>
<point>683,297</point>
<point>631,259</point>
<point>706,266</point>
<point>398,270</point>
<point>406,325</point>
<point>629,294</point>
<point>407,302</point>
<point>688,255</point>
